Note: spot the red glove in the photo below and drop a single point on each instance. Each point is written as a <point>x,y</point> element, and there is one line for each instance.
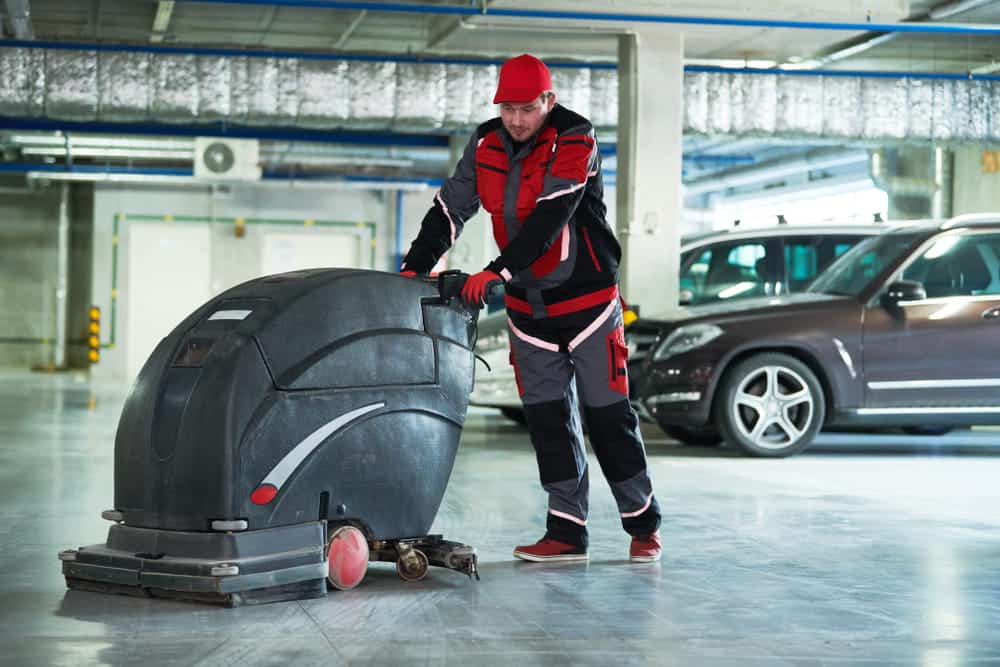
<point>477,285</point>
<point>408,274</point>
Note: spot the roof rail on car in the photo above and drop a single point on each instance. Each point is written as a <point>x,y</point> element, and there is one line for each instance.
<point>972,220</point>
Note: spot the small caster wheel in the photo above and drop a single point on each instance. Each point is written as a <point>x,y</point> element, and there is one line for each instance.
<point>412,565</point>
<point>346,558</point>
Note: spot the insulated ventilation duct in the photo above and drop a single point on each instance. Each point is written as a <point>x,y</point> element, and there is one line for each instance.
<point>122,86</point>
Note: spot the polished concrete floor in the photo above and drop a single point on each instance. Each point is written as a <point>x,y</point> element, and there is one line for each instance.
<point>863,550</point>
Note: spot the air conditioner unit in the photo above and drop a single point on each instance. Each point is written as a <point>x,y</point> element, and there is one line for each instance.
<point>221,159</point>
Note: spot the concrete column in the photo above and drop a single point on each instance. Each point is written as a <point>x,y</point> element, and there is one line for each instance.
<point>62,279</point>
<point>918,180</point>
<point>650,125</point>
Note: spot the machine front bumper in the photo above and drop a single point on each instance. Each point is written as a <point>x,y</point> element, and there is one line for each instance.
<point>287,562</point>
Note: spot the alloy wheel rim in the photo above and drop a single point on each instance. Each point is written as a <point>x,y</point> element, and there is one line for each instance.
<point>773,407</point>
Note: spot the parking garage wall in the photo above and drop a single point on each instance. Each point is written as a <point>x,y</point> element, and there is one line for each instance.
<point>238,220</point>
<point>29,221</point>
<point>977,181</point>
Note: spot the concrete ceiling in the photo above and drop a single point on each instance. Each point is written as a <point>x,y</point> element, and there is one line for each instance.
<point>298,28</point>
<point>355,31</point>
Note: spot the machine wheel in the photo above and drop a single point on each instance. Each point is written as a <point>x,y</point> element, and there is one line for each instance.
<point>770,405</point>
<point>346,558</point>
<point>516,415</point>
<point>412,565</point>
<point>694,437</point>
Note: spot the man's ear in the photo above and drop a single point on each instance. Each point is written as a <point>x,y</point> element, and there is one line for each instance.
<point>551,101</point>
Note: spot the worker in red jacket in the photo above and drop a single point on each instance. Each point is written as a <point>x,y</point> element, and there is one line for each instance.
<point>536,170</point>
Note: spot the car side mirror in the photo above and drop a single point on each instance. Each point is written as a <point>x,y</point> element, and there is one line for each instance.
<point>686,297</point>
<point>903,290</point>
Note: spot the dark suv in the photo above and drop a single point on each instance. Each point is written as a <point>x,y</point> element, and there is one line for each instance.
<point>722,266</point>
<point>902,330</point>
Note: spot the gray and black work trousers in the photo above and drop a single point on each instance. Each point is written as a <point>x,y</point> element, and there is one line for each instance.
<point>547,355</point>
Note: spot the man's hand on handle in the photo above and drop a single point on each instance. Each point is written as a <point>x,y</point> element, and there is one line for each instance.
<point>478,285</point>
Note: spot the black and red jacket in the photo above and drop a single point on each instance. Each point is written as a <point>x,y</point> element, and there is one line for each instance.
<point>545,199</point>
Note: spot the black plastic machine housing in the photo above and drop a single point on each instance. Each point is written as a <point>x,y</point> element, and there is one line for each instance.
<point>330,395</point>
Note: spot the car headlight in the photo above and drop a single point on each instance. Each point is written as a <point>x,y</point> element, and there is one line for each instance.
<point>687,338</point>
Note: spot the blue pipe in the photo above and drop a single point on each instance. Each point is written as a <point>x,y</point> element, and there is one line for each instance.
<point>227,130</point>
<point>271,53</point>
<point>22,167</point>
<point>954,28</point>
<point>394,179</point>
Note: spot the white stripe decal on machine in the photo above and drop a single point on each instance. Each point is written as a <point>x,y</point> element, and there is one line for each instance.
<point>230,315</point>
<point>300,452</point>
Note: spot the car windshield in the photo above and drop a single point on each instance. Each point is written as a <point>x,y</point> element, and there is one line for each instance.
<point>855,269</point>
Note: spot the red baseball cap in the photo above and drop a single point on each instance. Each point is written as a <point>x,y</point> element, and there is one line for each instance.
<point>522,80</point>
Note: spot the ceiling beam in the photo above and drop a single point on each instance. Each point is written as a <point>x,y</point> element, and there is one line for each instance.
<point>266,21</point>
<point>442,29</point>
<point>164,11</point>
<point>19,15</point>
<point>346,35</point>
<point>863,43</point>
<point>93,20</point>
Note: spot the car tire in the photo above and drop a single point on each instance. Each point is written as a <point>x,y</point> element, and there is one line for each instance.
<point>770,405</point>
<point>693,437</point>
<point>515,415</point>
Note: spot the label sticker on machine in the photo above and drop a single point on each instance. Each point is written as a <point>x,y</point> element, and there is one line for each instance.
<point>230,315</point>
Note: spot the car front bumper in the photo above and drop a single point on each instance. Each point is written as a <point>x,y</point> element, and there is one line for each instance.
<point>676,392</point>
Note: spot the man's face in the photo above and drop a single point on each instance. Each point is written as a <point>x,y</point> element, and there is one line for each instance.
<point>523,120</point>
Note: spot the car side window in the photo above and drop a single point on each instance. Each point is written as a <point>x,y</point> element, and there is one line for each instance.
<point>807,257</point>
<point>955,265</point>
<point>726,271</point>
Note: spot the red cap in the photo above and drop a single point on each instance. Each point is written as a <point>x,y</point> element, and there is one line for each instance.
<point>522,80</point>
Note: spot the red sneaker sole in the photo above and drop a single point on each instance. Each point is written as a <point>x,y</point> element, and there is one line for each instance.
<point>569,558</point>
<point>644,559</point>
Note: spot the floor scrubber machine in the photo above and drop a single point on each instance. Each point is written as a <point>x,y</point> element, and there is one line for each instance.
<point>287,433</point>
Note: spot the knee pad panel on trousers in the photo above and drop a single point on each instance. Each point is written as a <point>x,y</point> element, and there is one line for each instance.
<point>615,438</point>
<point>552,436</point>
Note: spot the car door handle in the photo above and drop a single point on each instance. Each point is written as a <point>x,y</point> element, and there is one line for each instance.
<point>991,313</point>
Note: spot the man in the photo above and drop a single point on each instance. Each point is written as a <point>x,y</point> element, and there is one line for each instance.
<point>536,170</point>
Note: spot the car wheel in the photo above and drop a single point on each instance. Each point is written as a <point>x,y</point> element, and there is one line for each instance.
<point>692,436</point>
<point>770,405</point>
<point>930,429</point>
<point>515,415</point>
